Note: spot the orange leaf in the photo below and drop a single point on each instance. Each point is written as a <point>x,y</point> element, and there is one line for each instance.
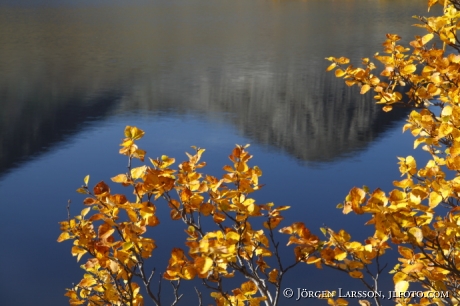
<point>356,274</point>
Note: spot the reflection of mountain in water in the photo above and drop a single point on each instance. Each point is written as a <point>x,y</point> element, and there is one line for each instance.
<point>317,121</point>
<point>31,127</point>
<point>254,64</point>
<point>333,123</point>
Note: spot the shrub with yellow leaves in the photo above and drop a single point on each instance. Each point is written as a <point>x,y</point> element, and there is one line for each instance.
<point>114,235</point>
<point>420,218</point>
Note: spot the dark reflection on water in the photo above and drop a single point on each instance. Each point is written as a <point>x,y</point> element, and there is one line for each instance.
<point>261,62</point>
<point>40,129</point>
<point>196,72</point>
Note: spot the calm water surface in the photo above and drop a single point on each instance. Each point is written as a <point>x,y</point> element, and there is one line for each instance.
<point>73,74</point>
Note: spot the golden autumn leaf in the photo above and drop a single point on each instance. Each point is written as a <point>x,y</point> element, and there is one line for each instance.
<point>426,38</point>
<point>331,66</point>
<point>417,234</point>
<point>356,274</point>
<point>203,264</point>
<point>249,288</point>
<point>218,217</point>
<point>133,132</point>
<point>86,180</point>
<point>120,178</point>
<point>273,222</point>
<point>338,302</point>
<point>105,230</point>
<point>273,276</point>
<point>82,190</point>
<point>401,286</point>
<point>341,255</point>
<point>63,236</point>
<point>365,88</point>
<point>339,73</point>
<point>206,209</point>
<point>435,199</point>
<point>85,211</point>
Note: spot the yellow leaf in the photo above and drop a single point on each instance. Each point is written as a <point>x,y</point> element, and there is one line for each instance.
<point>426,38</point>
<point>85,211</point>
<point>387,108</point>
<point>417,233</point>
<point>350,82</point>
<point>401,286</point>
<point>431,3</point>
<point>409,69</point>
<point>341,255</point>
<point>331,66</point>
<point>63,236</point>
<point>280,208</point>
<point>203,264</point>
<point>405,252</point>
<point>398,277</point>
<point>86,180</point>
<point>138,172</point>
<point>365,88</point>
<point>82,190</point>
<point>166,161</point>
<point>435,199</point>
<point>133,132</point>
<point>446,111</point>
<point>120,178</point>
<point>77,251</point>
<point>339,73</point>
<point>127,245</point>
<point>188,273</point>
<point>232,237</point>
<point>87,282</point>
<point>343,60</point>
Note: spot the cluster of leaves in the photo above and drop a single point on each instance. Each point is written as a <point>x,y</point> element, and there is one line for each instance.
<point>420,217</point>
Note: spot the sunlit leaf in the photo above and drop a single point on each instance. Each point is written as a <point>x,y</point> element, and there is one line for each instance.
<point>401,286</point>
<point>133,132</point>
<point>339,73</point>
<point>63,236</point>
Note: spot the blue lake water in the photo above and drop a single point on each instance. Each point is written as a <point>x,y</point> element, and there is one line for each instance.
<point>213,74</point>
